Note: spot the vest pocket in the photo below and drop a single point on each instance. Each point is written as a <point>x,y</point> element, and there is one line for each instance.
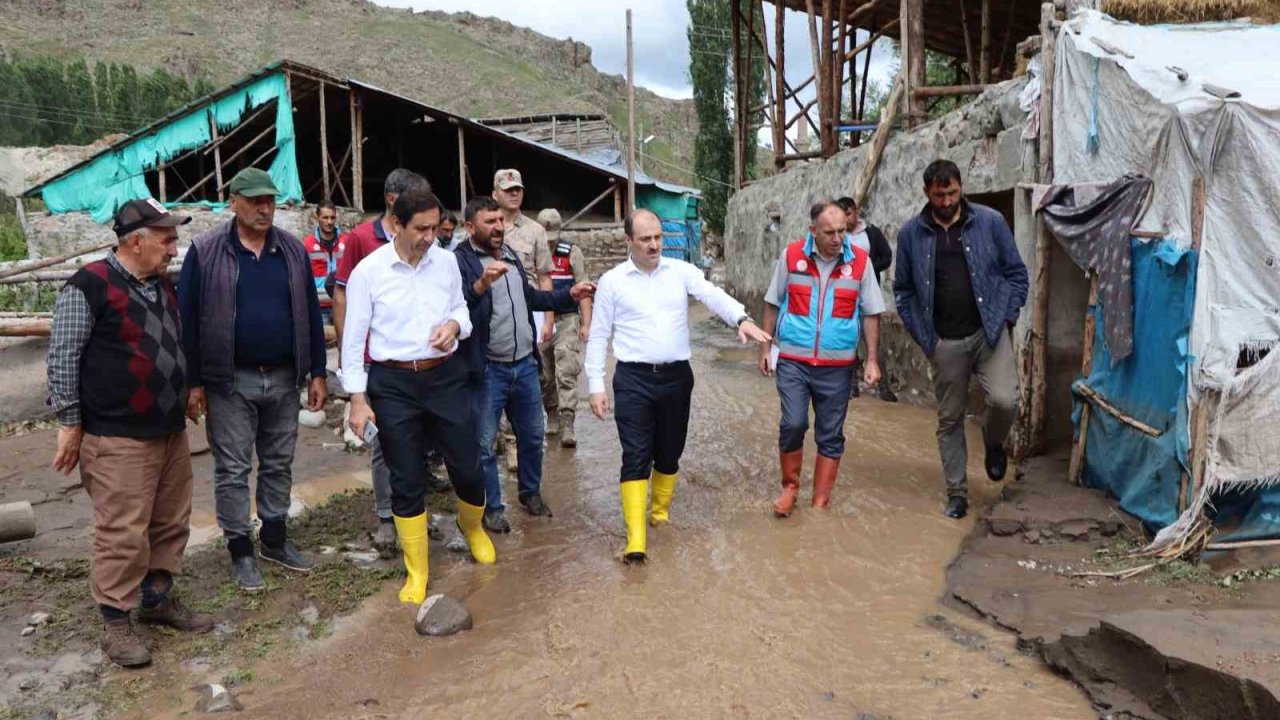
<point>799,298</point>
<point>844,303</point>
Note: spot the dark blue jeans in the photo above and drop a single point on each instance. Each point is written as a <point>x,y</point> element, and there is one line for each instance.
<point>513,387</point>
<point>827,389</point>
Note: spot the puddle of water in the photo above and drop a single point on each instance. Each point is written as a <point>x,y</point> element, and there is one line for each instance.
<point>308,492</point>
<point>737,615</point>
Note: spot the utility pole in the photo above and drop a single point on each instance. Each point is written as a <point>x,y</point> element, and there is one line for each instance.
<point>631,121</point>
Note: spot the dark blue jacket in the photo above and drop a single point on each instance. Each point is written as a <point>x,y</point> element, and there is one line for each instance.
<point>481,307</point>
<point>996,269</point>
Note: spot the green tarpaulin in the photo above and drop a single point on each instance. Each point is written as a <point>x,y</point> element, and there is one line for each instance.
<point>117,176</point>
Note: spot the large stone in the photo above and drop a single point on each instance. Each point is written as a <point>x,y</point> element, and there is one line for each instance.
<point>442,615</point>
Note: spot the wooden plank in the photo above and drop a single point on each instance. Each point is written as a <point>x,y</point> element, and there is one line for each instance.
<point>984,57</point>
<point>837,76</point>
<point>885,126</point>
<point>38,264</point>
<point>739,110</point>
<point>462,169</point>
<point>164,189</point>
<point>324,143</point>
<point>937,91</point>
<point>1105,405</point>
<point>1076,468</point>
<point>217,162</point>
<point>617,204</point>
<point>866,44</point>
<point>357,152</point>
<point>611,190</point>
<point>826,114</point>
<point>820,80</point>
<point>968,44</point>
<point>1039,336</point>
<point>780,110</point>
<point>1044,173</point>
<point>32,328</point>
<point>913,57</point>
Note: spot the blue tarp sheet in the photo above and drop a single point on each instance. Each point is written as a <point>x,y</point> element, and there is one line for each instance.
<point>1142,471</point>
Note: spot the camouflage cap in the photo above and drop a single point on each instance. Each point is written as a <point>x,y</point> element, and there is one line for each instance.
<point>507,179</point>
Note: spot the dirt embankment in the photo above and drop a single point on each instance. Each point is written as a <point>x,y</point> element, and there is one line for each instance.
<point>1178,641</point>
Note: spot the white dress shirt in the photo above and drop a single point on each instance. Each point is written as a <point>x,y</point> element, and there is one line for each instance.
<point>647,314</point>
<point>397,307</point>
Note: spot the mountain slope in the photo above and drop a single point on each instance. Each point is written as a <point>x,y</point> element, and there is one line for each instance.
<point>460,62</point>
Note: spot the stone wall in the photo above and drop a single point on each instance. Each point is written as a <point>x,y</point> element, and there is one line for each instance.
<point>984,138</point>
<point>603,247</point>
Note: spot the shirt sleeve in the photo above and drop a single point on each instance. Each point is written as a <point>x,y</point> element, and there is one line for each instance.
<point>72,325</point>
<point>777,292</point>
<point>870,297</point>
<point>598,338</point>
<point>458,310</point>
<point>578,264</point>
<point>716,300</point>
<point>541,253</point>
<point>189,311</point>
<point>356,332</point>
<point>351,256</point>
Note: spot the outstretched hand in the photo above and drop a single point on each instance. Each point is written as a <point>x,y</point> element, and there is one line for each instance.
<point>750,332</point>
<point>582,291</point>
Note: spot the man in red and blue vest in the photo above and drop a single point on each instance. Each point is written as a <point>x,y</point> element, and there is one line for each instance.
<point>823,288</point>
<point>118,384</point>
<point>325,246</point>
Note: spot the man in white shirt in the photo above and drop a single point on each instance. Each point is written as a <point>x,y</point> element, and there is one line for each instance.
<point>406,300</point>
<point>823,287</point>
<point>643,305</point>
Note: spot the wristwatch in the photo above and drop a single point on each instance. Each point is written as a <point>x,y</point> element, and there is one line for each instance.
<point>742,319</point>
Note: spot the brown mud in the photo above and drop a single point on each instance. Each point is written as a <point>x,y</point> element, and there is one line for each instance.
<point>1177,641</point>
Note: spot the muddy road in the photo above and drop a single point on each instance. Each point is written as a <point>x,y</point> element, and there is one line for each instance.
<point>736,615</point>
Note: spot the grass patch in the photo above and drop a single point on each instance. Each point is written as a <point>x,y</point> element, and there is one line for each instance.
<point>13,246</point>
<point>29,297</point>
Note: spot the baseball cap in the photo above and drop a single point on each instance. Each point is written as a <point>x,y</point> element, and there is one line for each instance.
<point>252,182</point>
<point>507,179</point>
<point>145,213</point>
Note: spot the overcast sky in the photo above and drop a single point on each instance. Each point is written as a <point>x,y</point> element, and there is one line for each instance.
<point>660,29</point>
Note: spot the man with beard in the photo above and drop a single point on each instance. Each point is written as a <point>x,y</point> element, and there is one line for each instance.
<point>503,353</point>
<point>959,286</point>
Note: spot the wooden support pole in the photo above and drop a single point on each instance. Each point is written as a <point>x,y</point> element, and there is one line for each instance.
<point>826,108</point>
<point>887,116</point>
<point>47,262</point>
<point>866,44</point>
<point>807,155</point>
<point>29,328</point>
<point>222,139</point>
<point>611,190</point>
<point>217,162</point>
<point>913,56</point>
<point>251,143</point>
<point>837,76</point>
<point>984,59</point>
<point>779,76</point>
<point>617,204</point>
<point>938,91</point>
<point>866,73</point>
<point>819,80</point>
<point>164,189</point>
<point>1048,40</point>
<point>1096,398</point>
<point>748,120</point>
<point>1040,336</point>
<point>324,143</point>
<point>968,44</point>
<point>462,169</point>
<point>357,151</point>
<point>1076,467</point>
<point>1003,70</point>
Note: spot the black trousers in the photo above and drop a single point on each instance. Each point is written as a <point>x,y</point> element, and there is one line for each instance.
<point>651,407</point>
<point>417,409</point>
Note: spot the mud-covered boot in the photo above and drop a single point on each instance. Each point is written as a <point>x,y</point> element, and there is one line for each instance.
<point>825,470</point>
<point>174,614</point>
<point>413,545</point>
<point>470,518</point>
<point>553,422</point>
<point>786,502</point>
<point>635,500</point>
<point>567,437</point>
<point>122,645</point>
<point>384,539</point>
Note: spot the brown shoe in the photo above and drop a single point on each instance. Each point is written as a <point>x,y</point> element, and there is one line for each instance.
<point>567,437</point>
<point>122,645</point>
<point>173,613</point>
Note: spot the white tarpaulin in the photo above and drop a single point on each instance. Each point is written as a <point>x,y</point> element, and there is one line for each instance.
<point>1147,99</point>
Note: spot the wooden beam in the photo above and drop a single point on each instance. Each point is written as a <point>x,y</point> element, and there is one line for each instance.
<point>1040,336</point>
<point>780,110</point>
<point>807,155</point>
<point>771,103</point>
<point>357,151</point>
<point>852,17</point>
<point>820,80</point>
<point>866,44</point>
<point>804,113</point>
<point>27,328</point>
<point>164,189</point>
<point>36,265</point>
<point>837,76</point>
<point>224,137</point>
<point>748,130</point>
<point>1076,468</point>
<point>1002,70</point>
<point>939,91</point>
<point>1093,396</point>
<point>885,126</point>
<point>861,113</point>
<point>251,143</point>
<point>462,169</point>
<point>617,204</point>
<point>324,143</point>
<point>217,160</point>
<point>611,190</point>
<point>984,57</point>
<point>968,43</point>
<point>1044,173</point>
<point>826,113</point>
<point>913,57</point>
<point>337,175</point>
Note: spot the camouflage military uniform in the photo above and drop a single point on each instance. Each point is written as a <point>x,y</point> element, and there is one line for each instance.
<point>562,357</point>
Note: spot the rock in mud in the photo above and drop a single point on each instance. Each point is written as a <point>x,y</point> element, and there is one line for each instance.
<point>45,715</point>
<point>28,631</point>
<point>442,615</point>
<point>38,618</point>
<point>215,698</point>
<point>362,557</point>
<point>310,615</point>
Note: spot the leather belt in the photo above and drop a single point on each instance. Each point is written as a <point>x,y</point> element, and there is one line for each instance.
<point>656,367</point>
<point>415,365</point>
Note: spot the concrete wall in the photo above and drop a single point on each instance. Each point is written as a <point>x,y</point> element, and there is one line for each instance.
<point>983,137</point>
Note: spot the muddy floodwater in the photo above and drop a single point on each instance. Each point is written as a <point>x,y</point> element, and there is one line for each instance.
<point>737,615</point>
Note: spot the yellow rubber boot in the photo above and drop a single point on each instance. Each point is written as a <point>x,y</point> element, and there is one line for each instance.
<point>469,517</point>
<point>413,543</point>
<point>664,486</point>
<point>635,499</point>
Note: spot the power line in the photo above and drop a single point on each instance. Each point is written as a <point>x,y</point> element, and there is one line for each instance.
<point>685,170</point>
<point>95,113</point>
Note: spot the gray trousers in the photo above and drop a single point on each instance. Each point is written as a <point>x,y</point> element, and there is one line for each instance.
<point>381,480</point>
<point>954,362</point>
<point>827,388</point>
<point>260,412</point>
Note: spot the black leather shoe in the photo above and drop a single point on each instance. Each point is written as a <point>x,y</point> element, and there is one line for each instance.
<point>886,393</point>
<point>535,505</point>
<point>997,462</point>
<point>286,556</point>
<point>957,507</point>
<point>247,576</point>
<point>495,521</point>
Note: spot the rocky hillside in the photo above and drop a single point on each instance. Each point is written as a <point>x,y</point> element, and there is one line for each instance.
<point>461,62</point>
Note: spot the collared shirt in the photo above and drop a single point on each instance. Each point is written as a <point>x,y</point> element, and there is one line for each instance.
<point>647,314</point>
<point>510,336</point>
<point>396,307</point>
<point>72,326</point>
<point>362,241</point>
<point>528,240</point>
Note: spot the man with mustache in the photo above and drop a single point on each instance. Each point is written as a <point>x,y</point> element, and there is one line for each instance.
<point>959,286</point>
<point>253,336</point>
<point>503,351</point>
